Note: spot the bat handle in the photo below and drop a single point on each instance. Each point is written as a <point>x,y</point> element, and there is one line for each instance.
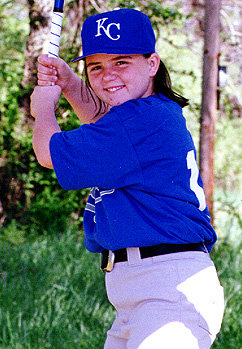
<point>55,31</point>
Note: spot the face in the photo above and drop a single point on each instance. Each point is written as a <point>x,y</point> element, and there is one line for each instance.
<point>118,78</point>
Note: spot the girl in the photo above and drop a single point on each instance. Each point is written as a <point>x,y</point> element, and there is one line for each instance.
<point>146,213</point>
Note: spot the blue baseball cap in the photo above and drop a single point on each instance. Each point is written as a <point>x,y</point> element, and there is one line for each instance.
<point>122,31</point>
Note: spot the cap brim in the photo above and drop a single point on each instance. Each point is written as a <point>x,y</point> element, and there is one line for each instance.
<point>78,59</point>
<point>119,51</point>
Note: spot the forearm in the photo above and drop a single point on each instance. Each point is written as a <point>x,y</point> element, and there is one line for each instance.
<point>43,104</point>
<point>85,104</point>
<point>45,126</point>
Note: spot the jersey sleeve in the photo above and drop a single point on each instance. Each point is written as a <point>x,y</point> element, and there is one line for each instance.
<point>99,154</point>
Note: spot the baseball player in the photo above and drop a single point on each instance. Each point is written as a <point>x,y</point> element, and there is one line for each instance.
<point>146,213</point>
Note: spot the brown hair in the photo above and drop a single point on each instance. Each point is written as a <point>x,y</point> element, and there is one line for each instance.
<point>162,84</point>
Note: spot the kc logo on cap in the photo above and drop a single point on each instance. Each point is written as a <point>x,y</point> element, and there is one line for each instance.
<point>100,25</point>
<point>122,31</point>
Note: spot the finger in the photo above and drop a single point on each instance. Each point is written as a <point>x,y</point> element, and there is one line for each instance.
<point>45,83</point>
<point>46,70</point>
<point>46,77</point>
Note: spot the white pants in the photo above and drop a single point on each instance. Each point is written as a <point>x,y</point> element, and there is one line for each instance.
<point>173,301</point>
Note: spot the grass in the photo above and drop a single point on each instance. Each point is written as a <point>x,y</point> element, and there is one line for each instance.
<point>228,260</point>
<point>52,294</point>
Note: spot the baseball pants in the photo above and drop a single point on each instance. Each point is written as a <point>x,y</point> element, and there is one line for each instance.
<point>171,301</point>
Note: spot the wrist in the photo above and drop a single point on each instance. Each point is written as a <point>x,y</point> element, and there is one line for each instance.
<point>74,83</point>
<point>47,110</point>
<point>44,101</point>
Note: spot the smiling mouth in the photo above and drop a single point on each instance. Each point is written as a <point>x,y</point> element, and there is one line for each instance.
<point>113,89</point>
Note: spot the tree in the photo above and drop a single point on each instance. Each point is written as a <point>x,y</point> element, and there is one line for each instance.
<point>39,22</point>
<point>209,97</point>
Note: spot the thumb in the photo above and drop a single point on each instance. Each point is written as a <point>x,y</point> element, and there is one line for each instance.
<point>49,62</point>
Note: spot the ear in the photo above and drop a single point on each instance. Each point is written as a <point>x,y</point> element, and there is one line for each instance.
<point>154,63</point>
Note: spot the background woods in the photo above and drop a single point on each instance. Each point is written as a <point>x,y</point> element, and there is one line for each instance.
<point>49,284</point>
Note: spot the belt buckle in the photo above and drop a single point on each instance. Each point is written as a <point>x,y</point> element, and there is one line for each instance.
<point>107,261</point>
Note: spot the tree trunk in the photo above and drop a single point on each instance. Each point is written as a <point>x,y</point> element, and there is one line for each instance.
<point>209,98</point>
<point>40,12</point>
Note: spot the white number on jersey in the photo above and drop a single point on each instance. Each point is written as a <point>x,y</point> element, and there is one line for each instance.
<point>192,165</point>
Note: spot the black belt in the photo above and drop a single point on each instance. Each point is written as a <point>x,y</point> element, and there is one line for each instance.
<point>146,252</point>
<point>157,250</point>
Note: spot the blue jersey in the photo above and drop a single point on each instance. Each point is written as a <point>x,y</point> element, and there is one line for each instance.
<point>139,161</point>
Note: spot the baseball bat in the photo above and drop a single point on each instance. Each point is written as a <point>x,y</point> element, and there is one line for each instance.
<point>55,31</point>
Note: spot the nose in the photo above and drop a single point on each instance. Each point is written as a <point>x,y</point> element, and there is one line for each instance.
<point>109,74</point>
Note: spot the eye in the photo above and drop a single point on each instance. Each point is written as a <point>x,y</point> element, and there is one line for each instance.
<point>95,68</point>
<point>122,62</point>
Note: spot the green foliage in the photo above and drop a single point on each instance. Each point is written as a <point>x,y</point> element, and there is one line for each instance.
<point>13,35</point>
<point>52,295</point>
<point>51,212</point>
<point>228,222</point>
<point>228,260</point>
<point>228,161</point>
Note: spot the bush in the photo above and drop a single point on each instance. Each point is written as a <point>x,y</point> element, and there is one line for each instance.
<point>52,211</point>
